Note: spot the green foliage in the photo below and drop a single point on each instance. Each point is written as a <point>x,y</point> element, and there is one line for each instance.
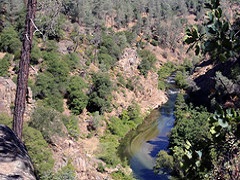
<point>129,119</point>
<point>38,150</point>
<point>118,126</point>
<point>72,60</point>
<point>4,64</point>
<point>180,79</point>
<point>48,122</point>
<point>188,137</point>
<point>5,119</point>
<point>71,123</point>
<point>35,53</point>
<point>109,144</point>
<point>105,61</point>
<point>110,46</point>
<point>66,172</point>
<point>165,71</point>
<point>216,37</point>
<point>50,85</point>
<point>164,162</point>
<point>130,36</point>
<point>147,63</point>
<point>119,175</point>
<point>56,66</point>
<point>100,97</point>
<point>54,101</point>
<point>77,98</point>
<point>9,40</point>
<point>100,168</point>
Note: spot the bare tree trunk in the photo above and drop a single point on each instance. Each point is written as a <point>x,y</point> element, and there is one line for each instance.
<point>22,80</point>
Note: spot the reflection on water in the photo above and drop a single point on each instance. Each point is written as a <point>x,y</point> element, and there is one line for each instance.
<point>142,145</point>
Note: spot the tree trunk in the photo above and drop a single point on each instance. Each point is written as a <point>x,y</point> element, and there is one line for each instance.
<point>22,80</point>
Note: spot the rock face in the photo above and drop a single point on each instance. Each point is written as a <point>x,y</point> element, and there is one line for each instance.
<point>7,97</point>
<point>7,94</point>
<point>144,90</point>
<point>14,160</point>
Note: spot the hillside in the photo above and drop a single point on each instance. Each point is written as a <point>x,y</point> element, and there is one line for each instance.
<point>97,69</point>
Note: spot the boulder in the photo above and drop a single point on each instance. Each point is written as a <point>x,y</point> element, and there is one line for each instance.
<point>15,162</point>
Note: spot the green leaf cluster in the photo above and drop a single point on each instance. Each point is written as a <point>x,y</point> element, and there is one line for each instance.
<point>77,98</point>
<point>100,97</point>
<point>216,37</point>
<point>9,40</point>
<point>147,63</point>
<point>4,64</point>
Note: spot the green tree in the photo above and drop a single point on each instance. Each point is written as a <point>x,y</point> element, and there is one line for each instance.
<point>4,64</point>
<point>147,62</point>
<point>77,98</point>
<point>9,40</point>
<point>100,97</point>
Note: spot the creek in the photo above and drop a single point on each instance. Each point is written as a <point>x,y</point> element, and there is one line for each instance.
<point>141,146</point>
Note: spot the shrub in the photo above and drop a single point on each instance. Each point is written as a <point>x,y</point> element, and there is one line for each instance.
<point>101,95</point>
<point>72,126</point>
<point>5,119</point>
<point>77,99</point>
<point>37,147</point>
<point>109,144</point>
<point>180,79</point>
<point>164,162</point>
<point>106,61</point>
<point>67,172</point>
<point>4,65</point>
<point>54,101</point>
<point>111,46</point>
<point>38,150</point>
<point>35,54</point>
<point>117,127</point>
<point>120,175</point>
<point>9,40</point>
<point>72,60</point>
<point>48,122</point>
<point>147,63</point>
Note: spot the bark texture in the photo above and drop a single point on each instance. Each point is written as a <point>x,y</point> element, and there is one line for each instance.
<point>22,80</point>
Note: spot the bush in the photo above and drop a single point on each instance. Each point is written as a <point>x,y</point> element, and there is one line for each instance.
<point>77,99</point>
<point>9,40</point>
<point>180,79</point>
<point>72,126</point>
<point>4,65</point>
<point>106,61</point>
<point>109,144</point>
<point>147,63</point>
<point>72,60</point>
<point>54,101</point>
<point>117,127</point>
<point>119,175</point>
<point>5,119</point>
<point>35,53</point>
<point>48,122</point>
<point>165,71</point>
<point>109,43</point>
<point>101,95</point>
<point>164,162</point>
<point>67,172</point>
<point>38,150</point>
<point>37,147</point>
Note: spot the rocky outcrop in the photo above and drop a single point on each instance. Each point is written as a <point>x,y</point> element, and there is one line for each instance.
<point>14,160</point>
<point>7,94</point>
<point>144,91</point>
<point>7,97</point>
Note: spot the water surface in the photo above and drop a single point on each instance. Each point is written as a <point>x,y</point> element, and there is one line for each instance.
<point>141,146</point>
